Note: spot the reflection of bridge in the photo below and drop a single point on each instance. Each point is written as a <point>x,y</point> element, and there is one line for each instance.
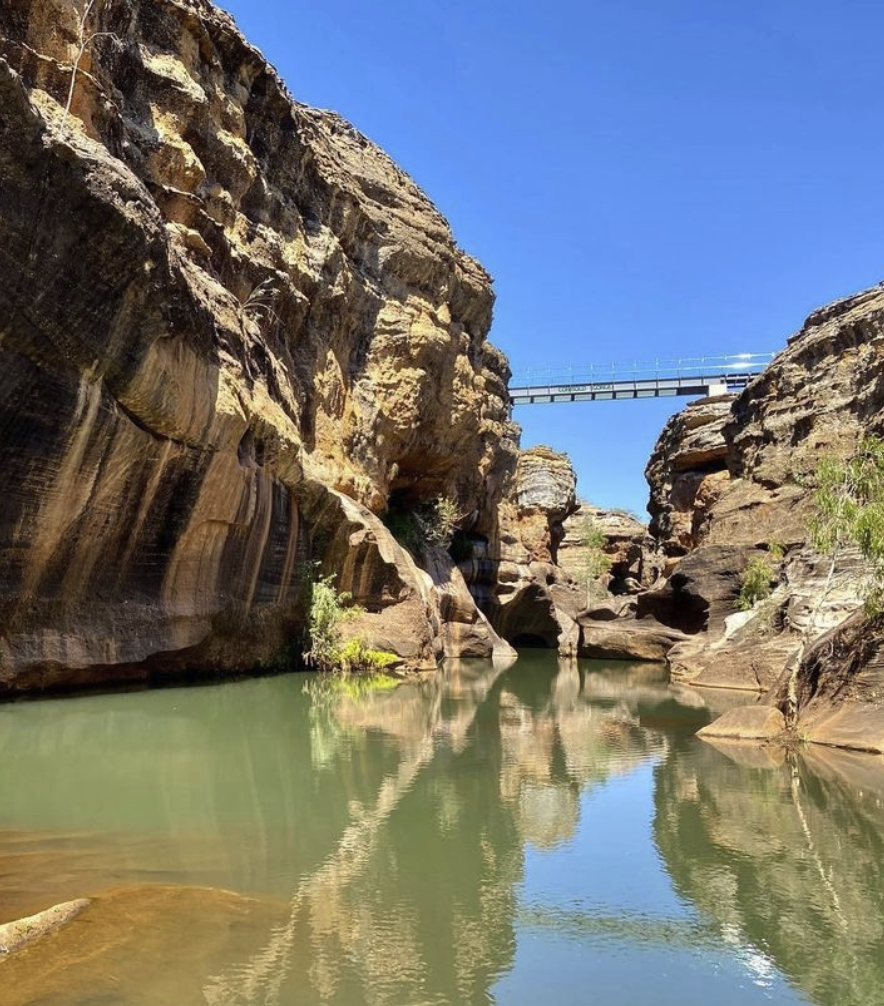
<point>702,375</point>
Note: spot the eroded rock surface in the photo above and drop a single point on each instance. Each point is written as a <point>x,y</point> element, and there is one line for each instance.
<point>217,305</point>
<point>731,483</point>
<point>529,598</point>
<point>687,473</point>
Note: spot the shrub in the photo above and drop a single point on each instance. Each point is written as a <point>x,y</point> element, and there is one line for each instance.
<point>596,562</point>
<point>849,511</point>
<point>355,657</point>
<point>329,607</point>
<point>755,582</point>
<point>438,521</point>
<point>431,524</point>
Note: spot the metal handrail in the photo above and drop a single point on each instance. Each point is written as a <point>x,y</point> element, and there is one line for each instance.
<point>684,367</point>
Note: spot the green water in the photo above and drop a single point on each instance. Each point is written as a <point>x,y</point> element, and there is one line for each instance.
<point>549,833</point>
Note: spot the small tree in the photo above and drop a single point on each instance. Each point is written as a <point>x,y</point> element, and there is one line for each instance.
<point>849,511</point>
<point>327,611</point>
<point>758,577</point>
<point>84,40</point>
<point>596,562</point>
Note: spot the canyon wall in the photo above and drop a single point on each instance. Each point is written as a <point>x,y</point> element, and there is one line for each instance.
<point>234,334</point>
<point>732,482</point>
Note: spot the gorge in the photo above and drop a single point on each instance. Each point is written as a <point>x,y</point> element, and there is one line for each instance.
<point>262,346</point>
<point>240,350</point>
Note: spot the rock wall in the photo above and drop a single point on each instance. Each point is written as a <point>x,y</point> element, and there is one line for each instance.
<point>818,398</point>
<point>224,313</point>
<point>687,473</point>
<point>528,598</point>
<point>533,583</point>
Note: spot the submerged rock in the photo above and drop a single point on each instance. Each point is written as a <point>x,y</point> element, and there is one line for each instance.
<point>16,935</point>
<point>757,723</point>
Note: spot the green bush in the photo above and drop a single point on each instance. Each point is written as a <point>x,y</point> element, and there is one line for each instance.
<point>596,562</point>
<point>849,511</point>
<point>755,582</point>
<point>354,657</point>
<point>329,607</point>
<point>430,524</point>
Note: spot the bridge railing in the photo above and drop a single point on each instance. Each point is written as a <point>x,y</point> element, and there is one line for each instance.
<point>649,370</point>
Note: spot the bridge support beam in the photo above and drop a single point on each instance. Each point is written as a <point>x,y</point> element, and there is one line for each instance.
<point>712,390</point>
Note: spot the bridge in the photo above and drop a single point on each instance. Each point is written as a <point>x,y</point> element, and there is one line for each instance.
<point>701,375</point>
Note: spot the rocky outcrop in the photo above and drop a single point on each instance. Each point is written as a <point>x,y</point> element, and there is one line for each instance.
<point>528,598</point>
<point>542,497</point>
<point>541,588</point>
<point>626,545</point>
<point>818,398</point>
<point>821,394</point>
<point>687,474</point>
<point>840,687</point>
<point>224,314</point>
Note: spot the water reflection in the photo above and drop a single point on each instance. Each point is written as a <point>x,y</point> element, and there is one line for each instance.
<point>418,902</point>
<point>785,855</point>
<point>442,843</point>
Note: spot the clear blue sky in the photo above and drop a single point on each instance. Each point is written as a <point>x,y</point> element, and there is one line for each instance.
<point>642,179</point>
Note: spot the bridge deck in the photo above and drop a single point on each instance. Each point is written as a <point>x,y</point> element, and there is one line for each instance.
<point>703,376</point>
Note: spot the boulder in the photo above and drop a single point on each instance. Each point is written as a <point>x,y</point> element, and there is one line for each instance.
<point>644,639</point>
<point>747,723</point>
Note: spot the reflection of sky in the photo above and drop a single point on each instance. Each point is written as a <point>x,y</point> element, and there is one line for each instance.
<point>600,922</point>
<point>618,866</point>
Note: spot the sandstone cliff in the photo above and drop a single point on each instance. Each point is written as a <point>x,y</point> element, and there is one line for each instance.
<point>233,331</point>
<point>733,481</point>
<point>540,583</point>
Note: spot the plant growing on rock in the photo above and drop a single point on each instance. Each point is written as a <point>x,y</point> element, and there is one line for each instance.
<point>438,521</point>
<point>431,524</point>
<point>84,40</point>
<point>757,579</point>
<point>329,608</point>
<point>596,562</point>
<point>260,305</point>
<point>849,512</point>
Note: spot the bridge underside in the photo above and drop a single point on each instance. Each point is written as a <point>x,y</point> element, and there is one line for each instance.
<point>600,391</point>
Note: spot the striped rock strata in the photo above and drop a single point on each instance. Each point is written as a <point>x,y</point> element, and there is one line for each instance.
<point>217,307</point>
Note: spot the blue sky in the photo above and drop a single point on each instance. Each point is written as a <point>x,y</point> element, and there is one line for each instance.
<point>642,179</point>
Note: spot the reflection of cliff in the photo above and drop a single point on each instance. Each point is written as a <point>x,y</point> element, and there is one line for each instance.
<point>559,736</point>
<point>417,902</point>
<point>417,898</point>
<point>786,858</point>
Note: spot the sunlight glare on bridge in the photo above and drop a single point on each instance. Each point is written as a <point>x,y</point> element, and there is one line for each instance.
<point>700,375</point>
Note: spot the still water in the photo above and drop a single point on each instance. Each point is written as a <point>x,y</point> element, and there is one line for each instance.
<point>549,833</point>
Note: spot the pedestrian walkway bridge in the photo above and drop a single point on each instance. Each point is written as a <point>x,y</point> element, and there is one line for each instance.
<point>701,375</point>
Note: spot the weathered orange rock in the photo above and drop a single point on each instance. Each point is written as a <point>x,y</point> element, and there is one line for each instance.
<point>754,723</point>
<point>217,303</point>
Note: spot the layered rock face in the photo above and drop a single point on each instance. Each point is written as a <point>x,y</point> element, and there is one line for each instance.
<point>625,544</point>
<point>529,599</point>
<point>541,583</point>
<point>232,331</point>
<point>818,398</point>
<point>686,473</point>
